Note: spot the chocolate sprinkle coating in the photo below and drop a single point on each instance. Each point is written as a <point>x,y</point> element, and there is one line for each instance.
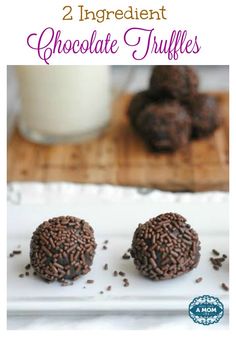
<point>165,126</point>
<point>62,248</point>
<point>165,247</point>
<point>204,112</point>
<point>175,81</point>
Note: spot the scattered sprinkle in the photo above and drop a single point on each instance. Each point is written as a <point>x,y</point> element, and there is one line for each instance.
<point>217,261</point>
<point>90,281</point>
<point>126,256</point>
<point>199,279</point>
<point>215,252</point>
<point>224,286</point>
<point>105,267</point>
<point>108,288</point>
<point>126,282</point>
<point>121,273</point>
<point>17,252</point>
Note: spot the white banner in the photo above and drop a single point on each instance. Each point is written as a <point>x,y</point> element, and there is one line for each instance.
<point>124,32</point>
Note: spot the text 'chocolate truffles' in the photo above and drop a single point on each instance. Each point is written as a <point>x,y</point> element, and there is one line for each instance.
<point>165,247</point>
<point>62,248</point>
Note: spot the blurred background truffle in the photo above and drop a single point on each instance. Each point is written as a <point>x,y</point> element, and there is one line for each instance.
<point>164,126</point>
<point>204,112</point>
<point>138,103</point>
<point>180,82</point>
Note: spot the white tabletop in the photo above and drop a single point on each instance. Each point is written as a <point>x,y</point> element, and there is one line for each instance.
<point>22,194</point>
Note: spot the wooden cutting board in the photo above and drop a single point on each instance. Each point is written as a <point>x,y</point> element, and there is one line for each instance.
<point>120,157</point>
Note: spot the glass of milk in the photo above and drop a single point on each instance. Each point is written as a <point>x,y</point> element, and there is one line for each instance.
<point>63,103</point>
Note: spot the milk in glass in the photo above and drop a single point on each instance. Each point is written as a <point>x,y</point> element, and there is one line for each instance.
<point>63,103</point>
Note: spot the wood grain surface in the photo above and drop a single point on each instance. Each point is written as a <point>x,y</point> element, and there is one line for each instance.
<point>120,157</point>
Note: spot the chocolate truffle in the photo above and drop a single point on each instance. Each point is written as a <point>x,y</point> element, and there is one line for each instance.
<point>137,104</point>
<point>165,247</point>
<point>165,126</point>
<point>62,248</point>
<point>180,82</point>
<point>204,112</point>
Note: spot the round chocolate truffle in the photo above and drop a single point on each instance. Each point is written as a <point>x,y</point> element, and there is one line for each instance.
<point>204,112</point>
<point>165,247</point>
<point>62,248</point>
<point>180,82</point>
<point>138,103</point>
<point>165,126</point>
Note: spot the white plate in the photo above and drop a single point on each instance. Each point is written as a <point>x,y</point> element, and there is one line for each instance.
<point>114,212</point>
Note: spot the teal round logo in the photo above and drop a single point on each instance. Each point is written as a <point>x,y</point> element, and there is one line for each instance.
<point>206,310</point>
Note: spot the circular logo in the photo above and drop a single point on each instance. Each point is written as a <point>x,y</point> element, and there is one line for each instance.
<point>206,310</point>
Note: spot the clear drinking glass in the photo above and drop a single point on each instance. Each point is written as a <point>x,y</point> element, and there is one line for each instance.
<point>63,103</point>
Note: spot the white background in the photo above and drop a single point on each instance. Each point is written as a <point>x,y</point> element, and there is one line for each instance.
<point>212,21</point>
<point>206,19</point>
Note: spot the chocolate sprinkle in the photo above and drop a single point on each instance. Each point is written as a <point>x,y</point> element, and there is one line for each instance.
<point>108,288</point>
<point>62,249</point>
<point>199,279</point>
<point>126,256</point>
<point>17,252</point>
<point>215,252</point>
<point>224,286</point>
<point>165,247</point>
<point>126,282</point>
<point>121,273</point>
<point>90,281</point>
<point>105,267</point>
<point>217,261</point>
